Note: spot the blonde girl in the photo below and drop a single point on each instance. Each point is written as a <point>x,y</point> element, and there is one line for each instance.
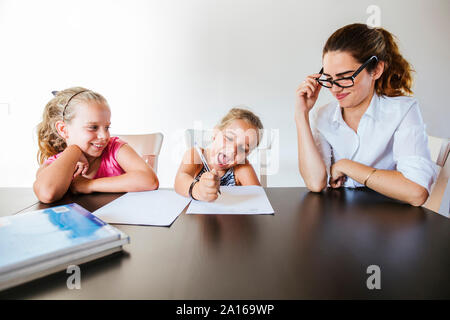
<point>234,138</point>
<point>77,152</point>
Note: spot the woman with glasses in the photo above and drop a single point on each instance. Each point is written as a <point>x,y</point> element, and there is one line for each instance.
<point>373,134</point>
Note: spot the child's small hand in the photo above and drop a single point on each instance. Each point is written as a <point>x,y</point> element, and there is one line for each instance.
<point>208,187</point>
<point>81,184</point>
<point>81,167</point>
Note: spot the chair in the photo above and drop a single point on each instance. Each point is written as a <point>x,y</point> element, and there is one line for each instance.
<point>435,144</point>
<point>259,156</point>
<point>439,199</point>
<point>147,146</point>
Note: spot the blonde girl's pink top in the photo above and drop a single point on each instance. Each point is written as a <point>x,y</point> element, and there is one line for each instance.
<point>109,167</point>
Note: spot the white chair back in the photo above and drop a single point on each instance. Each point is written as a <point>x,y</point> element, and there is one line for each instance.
<point>148,146</point>
<point>439,199</point>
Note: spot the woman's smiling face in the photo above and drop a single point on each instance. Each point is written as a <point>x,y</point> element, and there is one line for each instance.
<point>339,64</point>
<point>233,144</point>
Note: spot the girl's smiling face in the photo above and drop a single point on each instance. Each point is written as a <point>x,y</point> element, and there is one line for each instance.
<point>232,145</point>
<point>89,129</point>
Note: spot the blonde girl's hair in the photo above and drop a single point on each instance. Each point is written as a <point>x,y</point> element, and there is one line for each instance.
<point>238,113</point>
<point>362,42</point>
<point>61,108</point>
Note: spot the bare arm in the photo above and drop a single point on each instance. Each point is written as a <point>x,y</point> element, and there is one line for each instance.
<point>186,172</point>
<point>138,176</point>
<point>390,183</point>
<point>310,163</point>
<point>245,175</point>
<point>53,181</point>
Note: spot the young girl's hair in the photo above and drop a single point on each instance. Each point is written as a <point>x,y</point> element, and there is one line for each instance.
<point>60,108</point>
<point>242,114</point>
<point>363,42</point>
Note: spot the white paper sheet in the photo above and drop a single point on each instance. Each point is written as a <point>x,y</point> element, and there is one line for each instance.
<point>154,208</point>
<point>235,200</point>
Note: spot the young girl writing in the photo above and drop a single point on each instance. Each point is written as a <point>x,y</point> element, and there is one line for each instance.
<point>234,139</point>
<point>77,152</point>
<point>373,134</point>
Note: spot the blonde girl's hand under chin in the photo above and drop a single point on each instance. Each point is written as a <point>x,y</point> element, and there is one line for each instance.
<point>82,166</point>
<point>306,94</point>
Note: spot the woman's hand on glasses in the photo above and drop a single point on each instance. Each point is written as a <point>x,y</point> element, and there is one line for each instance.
<point>306,94</point>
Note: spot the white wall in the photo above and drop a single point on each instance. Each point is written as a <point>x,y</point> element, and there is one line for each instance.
<point>163,65</point>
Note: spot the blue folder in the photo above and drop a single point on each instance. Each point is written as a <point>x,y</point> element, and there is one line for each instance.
<point>33,242</point>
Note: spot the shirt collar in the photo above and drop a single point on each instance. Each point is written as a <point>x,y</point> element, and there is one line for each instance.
<point>372,111</point>
<point>337,116</point>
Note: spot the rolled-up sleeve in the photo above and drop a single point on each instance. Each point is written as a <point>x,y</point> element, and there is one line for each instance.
<point>410,150</point>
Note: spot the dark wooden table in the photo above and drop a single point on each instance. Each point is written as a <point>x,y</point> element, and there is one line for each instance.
<point>315,246</point>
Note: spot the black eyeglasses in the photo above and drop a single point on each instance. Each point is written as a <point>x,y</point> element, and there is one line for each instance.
<point>345,82</point>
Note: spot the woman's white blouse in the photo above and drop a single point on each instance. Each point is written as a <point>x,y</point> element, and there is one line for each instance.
<point>391,136</point>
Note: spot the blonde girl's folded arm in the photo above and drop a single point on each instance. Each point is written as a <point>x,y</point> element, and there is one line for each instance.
<point>53,180</point>
<point>245,175</point>
<point>138,176</point>
<point>189,166</point>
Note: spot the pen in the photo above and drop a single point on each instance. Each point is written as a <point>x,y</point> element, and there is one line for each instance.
<point>205,164</point>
